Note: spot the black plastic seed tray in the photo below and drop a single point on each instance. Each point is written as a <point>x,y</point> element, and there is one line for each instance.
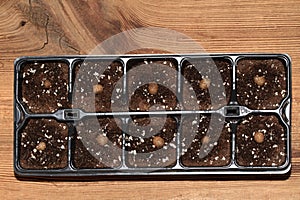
<point>152,115</point>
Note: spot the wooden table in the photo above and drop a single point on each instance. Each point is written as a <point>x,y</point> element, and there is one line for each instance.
<point>76,27</point>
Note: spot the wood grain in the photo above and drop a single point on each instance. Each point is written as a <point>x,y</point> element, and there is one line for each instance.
<point>75,27</point>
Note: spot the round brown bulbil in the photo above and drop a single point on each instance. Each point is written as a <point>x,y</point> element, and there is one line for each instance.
<point>259,80</point>
<point>41,146</point>
<point>204,84</point>
<point>102,140</point>
<point>153,88</point>
<point>158,141</point>
<point>98,88</point>
<point>47,84</point>
<point>259,137</point>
